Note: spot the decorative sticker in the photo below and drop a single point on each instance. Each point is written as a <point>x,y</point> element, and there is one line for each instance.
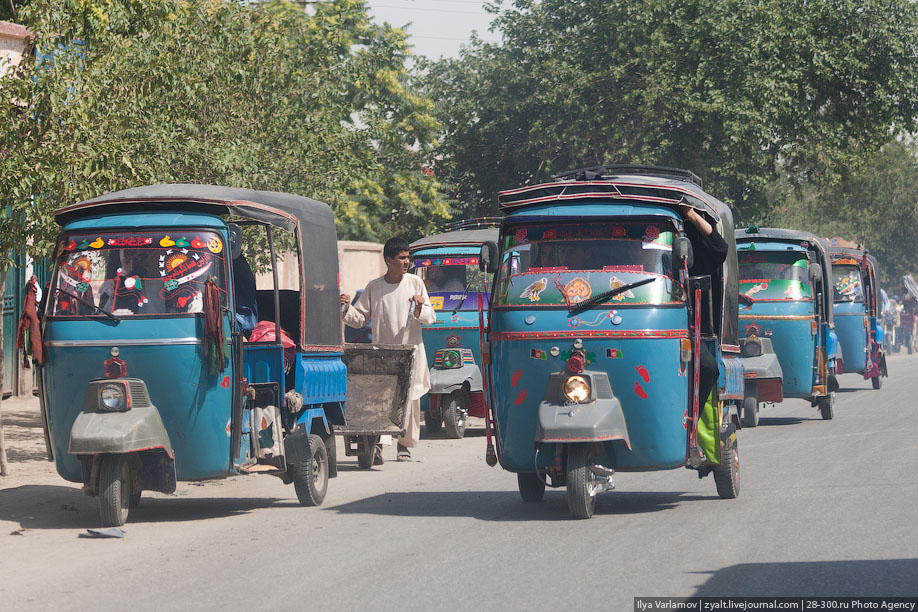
<point>437,302</point>
<point>132,241</point>
<point>215,245</point>
<point>167,242</point>
<point>578,290</point>
<point>98,243</point>
<point>615,283</point>
<point>534,290</point>
<point>538,354</point>
<point>614,353</point>
<point>179,267</point>
<point>521,236</point>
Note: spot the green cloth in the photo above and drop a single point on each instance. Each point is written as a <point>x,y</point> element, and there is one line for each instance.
<point>708,430</point>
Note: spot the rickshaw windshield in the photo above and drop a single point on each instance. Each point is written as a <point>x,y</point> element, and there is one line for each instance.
<point>775,275</point>
<point>142,273</point>
<point>562,264</point>
<point>446,278</point>
<point>848,286</point>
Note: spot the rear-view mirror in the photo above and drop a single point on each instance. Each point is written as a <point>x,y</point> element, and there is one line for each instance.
<point>488,260</point>
<point>235,234</point>
<point>682,251</point>
<point>815,274</point>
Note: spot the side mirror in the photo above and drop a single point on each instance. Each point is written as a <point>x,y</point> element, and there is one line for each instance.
<point>235,234</point>
<point>488,260</point>
<point>815,274</point>
<point>682,250</point>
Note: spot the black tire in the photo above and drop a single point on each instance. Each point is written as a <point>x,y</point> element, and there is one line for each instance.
<point>532,487</point>
<point>114,490</point>
<point>877,381</point>
<point>826,405</point>
<point>433,423</point>
<point>727,474</point>
<point>580,499</point>
<point>307,462</point>
<point>135,499</point>
<point>751,411</point>
<point>454,417</point>
<point>332,451</point>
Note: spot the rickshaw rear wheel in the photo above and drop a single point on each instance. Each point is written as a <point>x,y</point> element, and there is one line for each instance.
<point>135,499</point>
<point>581,501</point>
<point>532,487</point>
<point>877,382</point>
<point>727,474</point>
<point>454,417</point>
<point>433,422</point>
<point>826,405</point>
<point>751,411</point>
<point>114,490</point>
<point>308,466</point>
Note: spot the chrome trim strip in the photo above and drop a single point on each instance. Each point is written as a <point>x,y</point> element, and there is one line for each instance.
<point>123,342</point>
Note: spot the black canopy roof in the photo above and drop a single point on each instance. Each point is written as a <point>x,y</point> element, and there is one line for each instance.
<point>312,221</point>
<point>474,237</point>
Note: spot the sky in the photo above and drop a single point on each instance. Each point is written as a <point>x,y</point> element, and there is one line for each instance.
<point>435,27</point>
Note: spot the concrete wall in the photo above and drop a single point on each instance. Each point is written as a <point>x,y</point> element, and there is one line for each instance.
<point>358,264</point>
<point>13,40</point>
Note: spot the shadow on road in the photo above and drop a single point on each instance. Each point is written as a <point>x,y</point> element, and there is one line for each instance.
<point>476,432</point>
<point>507,506</point>
<point>63,507</point>
<point>769,421</point>
<point>879,578</point>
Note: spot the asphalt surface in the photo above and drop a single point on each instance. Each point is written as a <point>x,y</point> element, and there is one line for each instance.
<point>826,508</point>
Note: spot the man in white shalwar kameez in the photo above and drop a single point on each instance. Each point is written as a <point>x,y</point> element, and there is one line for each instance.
<point>396,305</point>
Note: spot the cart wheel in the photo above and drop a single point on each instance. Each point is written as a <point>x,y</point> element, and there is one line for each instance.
<point>581,486</point>
<point>365,460</point>
<point>307,462</point>
<point>727,474</point>
<point>114,490</point>
<point>433,422</point>
<point>751,411</point>
<point>877,381</point>
<point>826,405</point>
<point>455,417</point>
<point>532,487</point>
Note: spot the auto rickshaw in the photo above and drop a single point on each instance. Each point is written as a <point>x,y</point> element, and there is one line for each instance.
<point>595,333</point>
<point>857,312</point>
<point>149,377</point>
<point>448,263</point>
<point>786,278</point>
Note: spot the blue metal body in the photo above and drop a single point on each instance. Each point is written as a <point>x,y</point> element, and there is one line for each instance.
<point>791,325</point>
<point>638,351</point>
<point>851,326</point>
<point>167,353</point>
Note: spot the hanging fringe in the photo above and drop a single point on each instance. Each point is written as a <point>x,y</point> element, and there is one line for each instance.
<point>215,349</point>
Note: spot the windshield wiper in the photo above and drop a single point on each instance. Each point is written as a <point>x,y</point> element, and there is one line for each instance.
<point>90,304</point>
<point>602,297</point>
<point>462,299</point>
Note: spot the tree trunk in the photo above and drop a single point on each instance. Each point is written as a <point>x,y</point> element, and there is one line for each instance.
<point>3,466</point>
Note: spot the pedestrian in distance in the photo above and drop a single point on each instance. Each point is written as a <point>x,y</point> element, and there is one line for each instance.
<point>397,305</point>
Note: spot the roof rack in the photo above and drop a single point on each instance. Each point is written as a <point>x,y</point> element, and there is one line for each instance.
<point>476,223</point>
<point>597,173</point>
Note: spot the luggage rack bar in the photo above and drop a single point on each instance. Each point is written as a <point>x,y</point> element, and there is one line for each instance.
<point>597,173</point>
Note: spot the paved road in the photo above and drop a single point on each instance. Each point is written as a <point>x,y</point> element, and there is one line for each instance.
<point>826,508</point>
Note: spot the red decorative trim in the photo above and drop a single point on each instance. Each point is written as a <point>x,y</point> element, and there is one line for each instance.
<point>637,334</point>
<point>316,348</point>
<point>730,348</point>
<point>437,327</point>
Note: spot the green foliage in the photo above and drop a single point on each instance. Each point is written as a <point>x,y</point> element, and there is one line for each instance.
<point>877,206</point>
<point>262,96</point>
<point>739,92</point>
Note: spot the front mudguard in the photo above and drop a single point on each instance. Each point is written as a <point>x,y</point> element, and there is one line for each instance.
<point>601,420</point>
<point>138,429</point>
<point>444,381</point>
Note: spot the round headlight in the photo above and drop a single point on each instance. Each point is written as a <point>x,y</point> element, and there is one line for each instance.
<point>752,347</point>
<point>111,397</point>
<point>451,359</point>
<point>576,389</point>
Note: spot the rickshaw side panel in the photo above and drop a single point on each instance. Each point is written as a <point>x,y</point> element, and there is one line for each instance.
<point>195,406</point>
<point>789,325</point>
<point>853,335</point>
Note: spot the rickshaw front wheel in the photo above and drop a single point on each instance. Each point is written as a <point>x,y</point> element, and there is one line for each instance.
<point>751,411</point>
<point>532,487</point>
<point>308,466</point>
<point>826,405</point>
<point>454,416</point>
<point>114,490</point>
<point>433,422</point>
<point>581,497</point>
<point>877,381</point>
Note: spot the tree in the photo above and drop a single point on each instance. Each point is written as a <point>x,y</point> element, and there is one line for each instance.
<point>262,96</point>
<point>739,92</point>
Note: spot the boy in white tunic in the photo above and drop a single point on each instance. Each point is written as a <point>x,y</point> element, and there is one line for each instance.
<point>396,305</point>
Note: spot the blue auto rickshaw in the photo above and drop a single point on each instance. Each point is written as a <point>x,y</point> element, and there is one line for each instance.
<point>448,263</point>
<point>856,296</point>
<point>149,377</point>
<point>786,280</point>
<point>596,330</point>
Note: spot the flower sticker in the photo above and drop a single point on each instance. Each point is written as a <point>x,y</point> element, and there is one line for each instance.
<point>521,235</point>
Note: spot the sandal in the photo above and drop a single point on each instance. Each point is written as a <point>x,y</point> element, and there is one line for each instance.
<point>403,453</point>
<point>377,456</point>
